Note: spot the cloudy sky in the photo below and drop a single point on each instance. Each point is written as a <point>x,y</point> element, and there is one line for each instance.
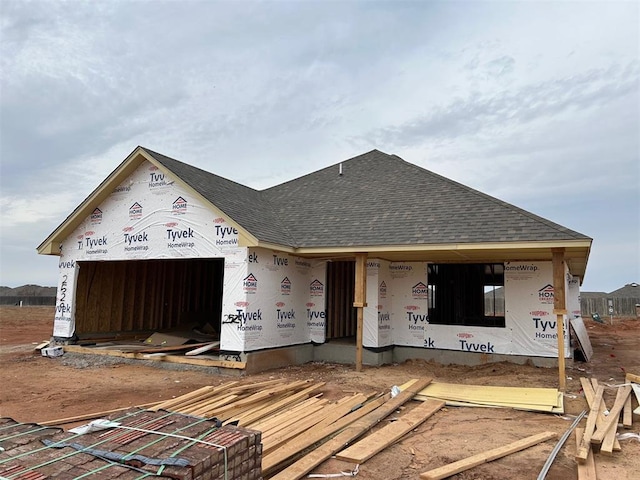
<point>536,103</point>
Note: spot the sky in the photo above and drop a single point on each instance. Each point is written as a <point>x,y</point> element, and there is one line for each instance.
<point>535,103</point>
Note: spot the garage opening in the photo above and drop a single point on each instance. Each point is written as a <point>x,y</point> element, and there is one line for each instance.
<point>149,296</point>
<point>342,320</point>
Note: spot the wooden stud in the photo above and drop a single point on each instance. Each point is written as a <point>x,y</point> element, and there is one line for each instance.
<point>360,301</point>
<point>559,305</point>
<point>627,417</point>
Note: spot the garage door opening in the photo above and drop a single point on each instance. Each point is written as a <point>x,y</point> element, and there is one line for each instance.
<point>144,296</point>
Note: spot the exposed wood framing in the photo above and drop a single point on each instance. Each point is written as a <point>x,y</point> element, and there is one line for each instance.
<point>360,301</point>
<point>560,309</point>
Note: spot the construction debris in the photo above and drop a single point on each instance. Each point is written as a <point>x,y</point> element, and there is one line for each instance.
<point>599,436</point>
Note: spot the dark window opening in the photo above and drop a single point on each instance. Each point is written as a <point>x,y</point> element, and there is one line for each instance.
<point>466,294</point>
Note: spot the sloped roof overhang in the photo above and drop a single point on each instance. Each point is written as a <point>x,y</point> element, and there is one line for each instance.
<point>51,245</point>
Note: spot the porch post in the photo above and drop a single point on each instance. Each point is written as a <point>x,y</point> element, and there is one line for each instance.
<point>360,301</point>
<point>559,309</point>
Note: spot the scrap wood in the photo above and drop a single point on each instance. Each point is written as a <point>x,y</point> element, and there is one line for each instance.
<point>372,444</point>
<point>614,414</point>
<point>587,470</point>
<point>632,378</point>
<point>479,459</point>
<point>304,465</point>
<point>585,444</point>
<point>204,348</point>
<point>589,393</point>
<point>278,457</point>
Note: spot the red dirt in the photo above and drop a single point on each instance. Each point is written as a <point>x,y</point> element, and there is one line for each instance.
<point>37,389</point>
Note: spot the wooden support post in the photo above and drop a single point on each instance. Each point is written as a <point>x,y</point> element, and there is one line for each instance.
<point>360,301</point>
<point>559,309</point>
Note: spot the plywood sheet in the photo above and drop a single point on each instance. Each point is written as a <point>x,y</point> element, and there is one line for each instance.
<point>577,326</point>
<point>485,394</point>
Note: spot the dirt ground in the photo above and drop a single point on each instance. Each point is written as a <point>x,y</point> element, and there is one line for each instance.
<point>37,389</point>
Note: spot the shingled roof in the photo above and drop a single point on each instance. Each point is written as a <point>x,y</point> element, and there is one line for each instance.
<point>375,202</point>
<point>378,199</point>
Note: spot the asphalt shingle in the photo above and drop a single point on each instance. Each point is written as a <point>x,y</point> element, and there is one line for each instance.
<point>379,199</point>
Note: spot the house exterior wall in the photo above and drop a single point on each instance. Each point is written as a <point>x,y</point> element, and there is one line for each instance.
<point>272,299</point>
<point>147,216</point>
<point>397,307</point>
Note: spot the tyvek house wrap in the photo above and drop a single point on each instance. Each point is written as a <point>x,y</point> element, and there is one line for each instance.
<point>397,312</point>
<point>269,299</point>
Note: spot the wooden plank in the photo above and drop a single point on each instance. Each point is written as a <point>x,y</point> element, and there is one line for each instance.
<point>343,409</point>
<point>91,416</point>
<point>191,398</point>
<point>250,418</point>
<point>589,393</point>
<point>587,470</point>
<point>204,348</point>
<point>479,459</point>
<point>171,348</point>
<point>585,444</point>
<point>636,391</point>
<point>631,377</point>
<point>627,417</point>
<point>614,415</point>
<point>272,461</point>
<point>559,308</point>
<point>360,301</point>
<point>366,448</point>
<point>311,460</point>
<point>167,358</point>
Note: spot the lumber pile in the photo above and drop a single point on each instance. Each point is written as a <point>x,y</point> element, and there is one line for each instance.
<point>140,444</point>
<point>599,435</point>
<point>299,428</point>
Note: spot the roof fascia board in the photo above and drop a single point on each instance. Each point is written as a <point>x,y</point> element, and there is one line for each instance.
<point>460,247</point>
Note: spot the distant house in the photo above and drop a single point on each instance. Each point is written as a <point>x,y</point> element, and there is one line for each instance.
<point>623,302</point>
<point>372,251</point>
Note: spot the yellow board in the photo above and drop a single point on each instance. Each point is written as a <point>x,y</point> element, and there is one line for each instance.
<point>536,399</point>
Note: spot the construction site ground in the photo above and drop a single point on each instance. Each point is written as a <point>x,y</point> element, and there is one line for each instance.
<point>39,389</point>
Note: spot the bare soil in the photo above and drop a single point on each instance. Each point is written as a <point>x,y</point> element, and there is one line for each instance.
<point>38,389</point>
